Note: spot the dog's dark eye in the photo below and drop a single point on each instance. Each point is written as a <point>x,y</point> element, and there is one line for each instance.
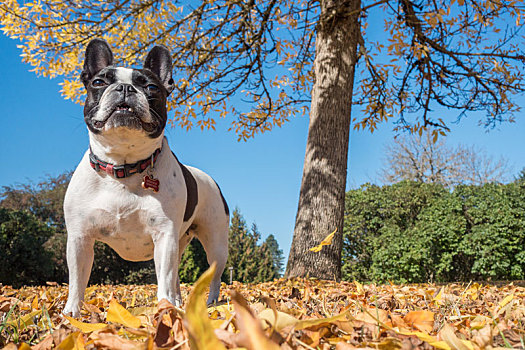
<point>152,88</point>
<point>98,83</point>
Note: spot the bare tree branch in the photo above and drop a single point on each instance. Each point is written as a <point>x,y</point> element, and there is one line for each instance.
<point>419,158</point>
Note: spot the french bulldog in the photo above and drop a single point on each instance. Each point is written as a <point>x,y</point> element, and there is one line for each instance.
<point>129,190</point>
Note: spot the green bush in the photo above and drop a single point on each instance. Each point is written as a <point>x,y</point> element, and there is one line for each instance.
<point>416,232</point>
<point>495,237</point>
<point>23,259</point>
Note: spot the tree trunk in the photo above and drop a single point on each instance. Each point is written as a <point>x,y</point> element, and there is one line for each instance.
<point>321,200</point>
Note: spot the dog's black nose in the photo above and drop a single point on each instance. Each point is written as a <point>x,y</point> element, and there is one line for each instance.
<point>126,88</point>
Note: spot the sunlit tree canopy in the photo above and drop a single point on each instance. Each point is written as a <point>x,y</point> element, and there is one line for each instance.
<point>251,61</point>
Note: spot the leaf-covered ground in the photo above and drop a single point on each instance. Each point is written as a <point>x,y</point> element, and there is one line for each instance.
<point>284,314</point>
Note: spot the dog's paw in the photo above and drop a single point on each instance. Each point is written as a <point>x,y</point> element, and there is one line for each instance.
<point>212,300</point>
<point>213,297</point>
<point>177,302</point>
<point>71,310</point>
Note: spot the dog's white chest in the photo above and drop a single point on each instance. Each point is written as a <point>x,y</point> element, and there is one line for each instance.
<point>128,223</point>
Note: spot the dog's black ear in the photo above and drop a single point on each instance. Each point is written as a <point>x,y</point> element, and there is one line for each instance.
<point>98,57</point>
<point>158,61</point>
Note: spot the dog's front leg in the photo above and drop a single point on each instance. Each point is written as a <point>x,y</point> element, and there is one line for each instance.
<point>79,262</point>
<point>167,267</point>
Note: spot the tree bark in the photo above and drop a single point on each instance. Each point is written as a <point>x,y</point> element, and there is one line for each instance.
<point>321,200</point>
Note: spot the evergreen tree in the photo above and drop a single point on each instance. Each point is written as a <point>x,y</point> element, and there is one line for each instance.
<point>265,270</point>
<point>236,239</point>
<point>251,262</point>
<point>253,256</point>
<point>193,262</point>
<point>521,177</point>
<point>277,255</point>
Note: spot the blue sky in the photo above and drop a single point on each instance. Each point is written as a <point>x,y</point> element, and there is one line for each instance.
<point>44,134</point>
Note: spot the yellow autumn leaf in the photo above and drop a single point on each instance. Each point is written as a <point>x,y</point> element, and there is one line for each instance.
<point>24,346</point>
<point>447,334</point>
<point>250,330</point>
<point>85,327</point>
<point>283,319</point>
<point>118,314</point>
<point>216,324</point>
<point>440,345</point>
<point>421,319</point>
<point>479,322</point>
<point>225,310</point>
<point>326,241</point>
<point>302,324</point>
<point>74,341</point>
<point>25,320</point>
<point>427,338</point>
<point>196,318</point>
<point>142,310</point>
<point>214,315</point>
<point>133,300</point>
<point>359,288</point>
<point>506,300</point>
<point>421,335</point>
<point>439,297</point>
<point>473,291</point>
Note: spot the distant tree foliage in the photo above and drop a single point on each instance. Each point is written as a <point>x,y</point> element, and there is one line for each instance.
<point>45,201</point>
<point>521,176</point>
<point>276,253</point>
<point>23,260</point>
<point>193,262</point>
<point>423,158</point>
<point>418,232</point>
<point>110,268</point>
<point>251,262</point>
<point>33,244</point>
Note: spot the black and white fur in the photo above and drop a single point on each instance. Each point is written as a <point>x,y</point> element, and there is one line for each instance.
<point>125,112</point>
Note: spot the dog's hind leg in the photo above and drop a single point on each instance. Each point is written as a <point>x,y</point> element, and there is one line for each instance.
<point>183,243</point>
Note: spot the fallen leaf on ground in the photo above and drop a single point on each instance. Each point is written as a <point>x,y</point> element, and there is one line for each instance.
<point>289,314</point>
<point>118,314</point>
<point>421,319</point>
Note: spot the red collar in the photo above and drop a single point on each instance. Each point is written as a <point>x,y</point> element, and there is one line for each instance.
<point>125,170</point>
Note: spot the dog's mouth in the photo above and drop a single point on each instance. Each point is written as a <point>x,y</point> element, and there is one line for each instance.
<point>124,108</point>
<point>124,115</point>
